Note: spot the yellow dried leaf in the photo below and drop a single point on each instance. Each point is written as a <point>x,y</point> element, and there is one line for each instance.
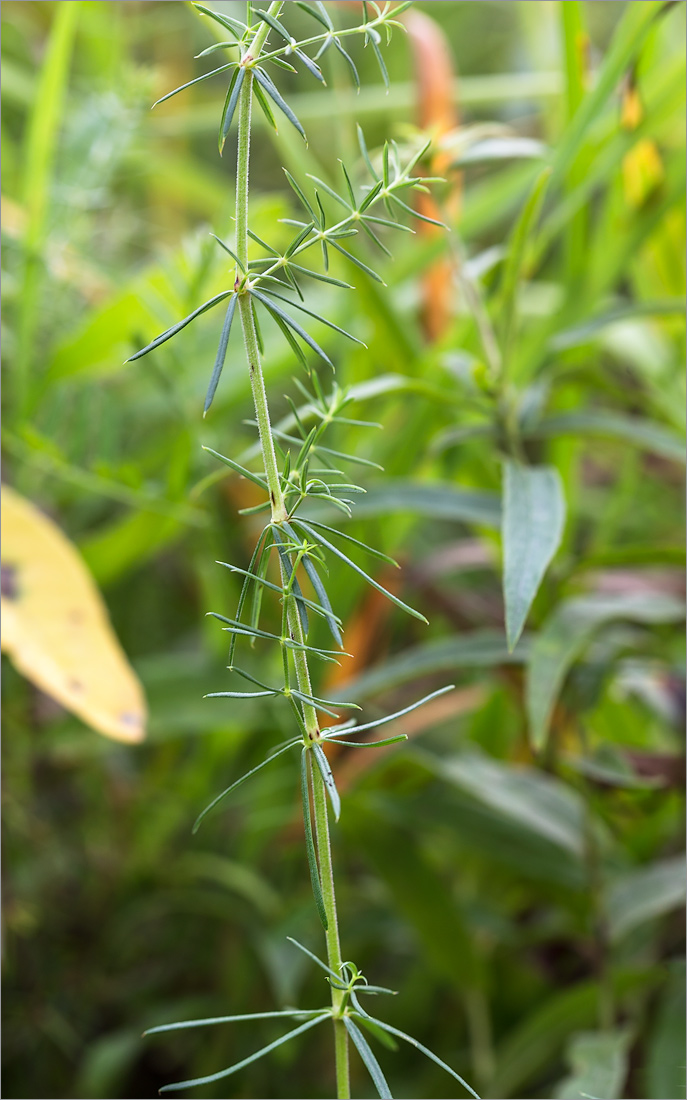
<point>55,625</point>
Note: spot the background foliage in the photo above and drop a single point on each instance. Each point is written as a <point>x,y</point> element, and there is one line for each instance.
<point>525,905</point>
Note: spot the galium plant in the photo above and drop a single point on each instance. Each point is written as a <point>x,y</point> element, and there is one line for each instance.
<point>298,468</point>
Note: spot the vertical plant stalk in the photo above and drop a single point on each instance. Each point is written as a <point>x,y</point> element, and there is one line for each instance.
<point>279,514</point>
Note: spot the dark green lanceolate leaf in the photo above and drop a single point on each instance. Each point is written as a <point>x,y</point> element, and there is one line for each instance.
<point>528,798</point>
<point>170,332</point>
<point>565,636</point>
<point>645,894</point>
<point>532,528</point>
<point>607,424</point>
<point>221,355</point>
<point>264,105</point>
<point>310,843</point>
<point>475,649</point>
<point>246,1061</point>
<point>278,313</point>
<point>243,779</point>
<point>373,1066</point>
<point>328,779</point>
<point>599,1061</point>
<point>274,94</point>
<point>370,580</point>
<point>232,98</point>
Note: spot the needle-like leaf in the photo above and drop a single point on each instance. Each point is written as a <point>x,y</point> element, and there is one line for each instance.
<point>170,332</point>
<point>177,1086</point>
<point>373,1066</point>
<point>328,780</point>
<point>309,842</point>
<point>238,782</point>
<point>219,361</point>
<point>274,94</point>
<point>361,572</point>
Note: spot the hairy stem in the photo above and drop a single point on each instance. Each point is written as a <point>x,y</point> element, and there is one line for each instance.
<point>279,514</point>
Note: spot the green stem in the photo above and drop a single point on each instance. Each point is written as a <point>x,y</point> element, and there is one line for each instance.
<point>279,514</point>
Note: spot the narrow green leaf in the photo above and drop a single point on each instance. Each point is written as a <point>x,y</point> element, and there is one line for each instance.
<point>309,842</point>
<point>264,105</point>
<point>221,356</point>
<point>239,469</point>
<point>246,1061</point>
<point>317,317</point>
<point>238,782</point>
<point>310,65</point>
<point>397,714</point>
<point>209,1021</point>
<point>647,435</point>
<point>356,542</point>
<point>315,959</point>
<point>273,23</point>
<point>232,98</point>
<point>254,563</point>
<point>328,780</point>
<point>274,94</point>
<point>349,61</point>
<point>369,744</point>
<point>513,268</point>
<point>320,277</point>
<point>234,25</point>
<point>361,572</point>
<point>273,308</point>
<point>231,253</point>
<point>533,522</point>
<point>292,580</point>
<point>170,332</point>
<point>322,596</point>
<point>358,263</point>
<point>322,18</point>
<point>196,80</point>
<point>368,1058</point>
<point>428,1053</point>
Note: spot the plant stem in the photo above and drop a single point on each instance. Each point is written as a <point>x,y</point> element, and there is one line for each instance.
<point>279,514</point>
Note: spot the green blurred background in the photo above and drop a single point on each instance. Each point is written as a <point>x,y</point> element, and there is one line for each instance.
<point>517,904</point>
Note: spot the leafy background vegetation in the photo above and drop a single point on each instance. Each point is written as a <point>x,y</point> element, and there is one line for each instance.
<point>525,904</point>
